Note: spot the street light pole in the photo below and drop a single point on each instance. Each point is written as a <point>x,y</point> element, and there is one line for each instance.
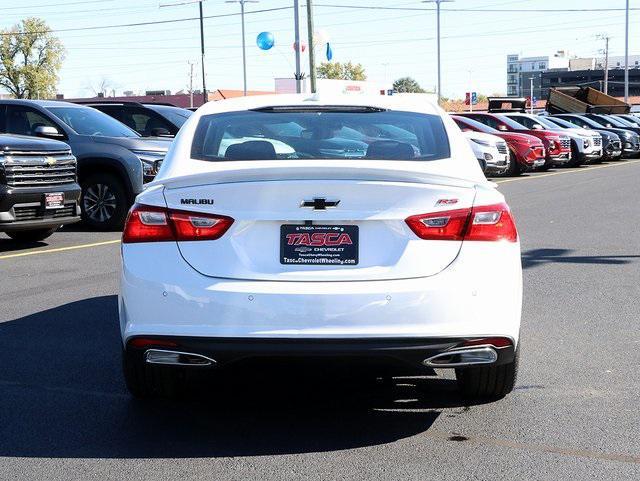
<point>438,2</point>
<point>626,55</point>
<point>244,45</point>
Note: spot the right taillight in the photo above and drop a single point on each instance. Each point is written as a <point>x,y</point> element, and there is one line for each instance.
<point>158,224</point>
<point>491,223</point>
<point>481,223</point>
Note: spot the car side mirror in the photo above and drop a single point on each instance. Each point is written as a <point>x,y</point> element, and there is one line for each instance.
<point>538,127</point>
<point>156,165</point>
<point>502,128</point>
<point>160,132</point>
<point>47,131</point>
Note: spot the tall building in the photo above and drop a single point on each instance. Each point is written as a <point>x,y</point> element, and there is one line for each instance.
<point>521,70</point>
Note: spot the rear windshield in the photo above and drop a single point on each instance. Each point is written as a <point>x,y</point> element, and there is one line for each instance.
<point>326,133</point>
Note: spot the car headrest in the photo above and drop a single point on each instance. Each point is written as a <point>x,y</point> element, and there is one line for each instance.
<point>251,150</point>
<point>390,150</point>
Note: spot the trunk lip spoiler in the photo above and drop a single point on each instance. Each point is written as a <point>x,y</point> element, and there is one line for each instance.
<point>282,174</point>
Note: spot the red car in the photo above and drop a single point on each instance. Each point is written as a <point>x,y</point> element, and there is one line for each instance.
<point>557,146</point>
<point>527,151</point>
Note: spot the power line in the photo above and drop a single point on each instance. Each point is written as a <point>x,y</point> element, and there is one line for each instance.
<point>140,24</point>
<point>478,10</point>
<point>23,7</point>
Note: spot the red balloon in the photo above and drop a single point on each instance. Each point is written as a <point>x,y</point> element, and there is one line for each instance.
<point>303,46</point>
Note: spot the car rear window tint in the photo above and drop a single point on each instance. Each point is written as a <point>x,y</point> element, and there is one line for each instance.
<point>326,133</point>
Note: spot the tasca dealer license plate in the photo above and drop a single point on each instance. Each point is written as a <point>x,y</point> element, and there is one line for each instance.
<point>319,244</point>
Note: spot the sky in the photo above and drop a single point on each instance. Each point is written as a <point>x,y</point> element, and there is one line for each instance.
<point>388,43</point>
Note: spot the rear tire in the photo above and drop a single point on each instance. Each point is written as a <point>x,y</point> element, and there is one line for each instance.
<point>31,235</point>
<point>488,382</point>
<point>145,381</point>
<point>104,202</point>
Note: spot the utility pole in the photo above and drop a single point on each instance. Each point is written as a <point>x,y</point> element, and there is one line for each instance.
<point>531,93</point>
<point>244,41</point>
<point>312,56</point>
<point>606,65</point>
<point>296,22</point>
<point>438,2</point>
<point>626,55</point>
<point>191,84</point>
<point>185,2</point>
<point>204,83</point>
<point>606,39</point>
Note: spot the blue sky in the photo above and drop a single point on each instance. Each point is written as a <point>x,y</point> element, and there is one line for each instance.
<point>389,44</point>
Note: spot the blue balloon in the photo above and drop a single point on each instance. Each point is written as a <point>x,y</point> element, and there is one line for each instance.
<point>265,40</point>
<point>329,52</point>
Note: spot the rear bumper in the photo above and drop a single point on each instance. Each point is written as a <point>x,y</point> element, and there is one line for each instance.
<point>413,353</point>
<point>161,295</point>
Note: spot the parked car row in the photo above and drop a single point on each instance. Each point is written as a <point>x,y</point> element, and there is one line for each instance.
<point>62,160</point>
<point>540,142</point>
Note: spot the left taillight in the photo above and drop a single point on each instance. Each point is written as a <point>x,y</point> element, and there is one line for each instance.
<point>158,224</point>
<point>480,223</point>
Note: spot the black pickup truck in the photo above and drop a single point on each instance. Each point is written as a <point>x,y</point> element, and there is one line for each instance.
<point>38,187</point>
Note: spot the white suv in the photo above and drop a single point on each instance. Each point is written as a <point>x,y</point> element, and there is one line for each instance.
<point>372,236</point>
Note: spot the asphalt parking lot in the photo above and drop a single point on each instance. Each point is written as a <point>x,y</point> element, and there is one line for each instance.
<point>65,413</point>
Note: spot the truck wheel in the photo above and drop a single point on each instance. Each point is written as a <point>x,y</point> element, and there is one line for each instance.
<point>104,202</point>
<point>31,235</point>
<point>145,381</point>
<point>488,382</point>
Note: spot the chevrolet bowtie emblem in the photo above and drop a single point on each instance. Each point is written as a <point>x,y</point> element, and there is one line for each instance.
<point>319,204</point>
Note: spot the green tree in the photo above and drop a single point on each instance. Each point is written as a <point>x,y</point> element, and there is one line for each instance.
<point>30,58</point>
<point>341,71</point>
<point>407,84</point>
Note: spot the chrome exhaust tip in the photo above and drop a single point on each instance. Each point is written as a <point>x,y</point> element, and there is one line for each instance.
<point>176,358</point>
<point>463,357</point>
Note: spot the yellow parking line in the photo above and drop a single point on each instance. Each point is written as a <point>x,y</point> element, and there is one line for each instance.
<point>587,169</point>
<point>60,249</point>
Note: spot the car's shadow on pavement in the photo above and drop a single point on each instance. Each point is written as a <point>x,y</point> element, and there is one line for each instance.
<point>62,395</point>
<point>9,245</point>
<point>538,257</point>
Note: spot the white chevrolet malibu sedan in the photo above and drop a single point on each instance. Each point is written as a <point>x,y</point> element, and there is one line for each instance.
<point>357,230</point>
